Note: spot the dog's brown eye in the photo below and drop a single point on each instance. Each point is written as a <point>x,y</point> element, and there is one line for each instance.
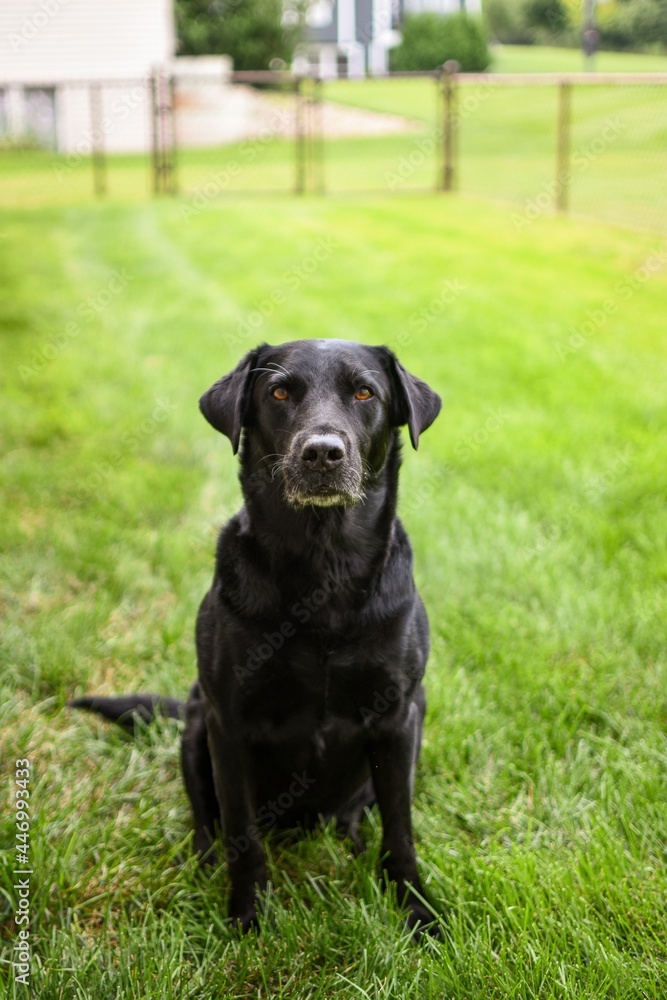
<point>363,393</point>
<point>280,392</point>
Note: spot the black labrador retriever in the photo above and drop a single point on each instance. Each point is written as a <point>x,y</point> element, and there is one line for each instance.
<point>312,640</point>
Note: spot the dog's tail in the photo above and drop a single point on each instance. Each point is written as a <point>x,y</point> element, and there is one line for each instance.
<point>127,710</point>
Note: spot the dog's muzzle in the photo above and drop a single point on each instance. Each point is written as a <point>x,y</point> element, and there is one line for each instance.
<point>321,471</point>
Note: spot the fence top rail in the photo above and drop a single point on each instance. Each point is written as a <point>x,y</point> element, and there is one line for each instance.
<point>137,81</point>
<point>234,76</point>
<point>553,79</point>
<point>286,76</point>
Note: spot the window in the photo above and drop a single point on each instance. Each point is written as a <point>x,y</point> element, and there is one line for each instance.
<point>3,115</point>
<point>40,115</point>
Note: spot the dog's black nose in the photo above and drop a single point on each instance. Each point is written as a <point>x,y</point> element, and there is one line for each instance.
<point>323,451</point>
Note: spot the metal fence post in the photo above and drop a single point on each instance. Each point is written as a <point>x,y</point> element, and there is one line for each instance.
<point>155,138</point>
<point>299,151</point>
<point>308,119</point>
<point>439,122</point>
<point>450,68</point>
<point>173,140</point>
<point>308,136</point>
<point>97,154</point>
<point>563,146</point>
<point>318,138</point>
<point>164,135</point>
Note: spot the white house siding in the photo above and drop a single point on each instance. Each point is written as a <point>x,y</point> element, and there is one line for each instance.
<point>123,123</point>
<point>54,40</point>
<point>48,45</point>
<point>442,6</point>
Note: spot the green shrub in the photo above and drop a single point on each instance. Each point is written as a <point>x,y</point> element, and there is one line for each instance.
<point>550,16</point>
<point>616,29</point>
<point>636,25</point>
<point>628,24</point>
<point>431,39</point>
<point>642,22</point>
<point>250,31</point>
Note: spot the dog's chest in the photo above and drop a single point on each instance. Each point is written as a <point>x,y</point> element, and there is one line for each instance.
<point>318,699</point>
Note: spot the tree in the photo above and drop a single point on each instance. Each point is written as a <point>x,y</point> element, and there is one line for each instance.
<point>252,32</point>
<point>552,15</point>
<point>633,24</point>
<point>648,19</point>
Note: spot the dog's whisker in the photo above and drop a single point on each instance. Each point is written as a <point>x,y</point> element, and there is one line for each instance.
<point>271,371</point>
<point>280,368</point>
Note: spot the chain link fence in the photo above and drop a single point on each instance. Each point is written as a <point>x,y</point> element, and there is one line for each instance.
<point>591,144</point>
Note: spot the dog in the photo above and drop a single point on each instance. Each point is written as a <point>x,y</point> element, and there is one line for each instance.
<point>312,641</point>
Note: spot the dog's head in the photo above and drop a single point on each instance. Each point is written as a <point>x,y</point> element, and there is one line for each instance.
<point>319,415</point>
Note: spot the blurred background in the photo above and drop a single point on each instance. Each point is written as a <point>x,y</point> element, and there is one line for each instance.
<point>546,103</point>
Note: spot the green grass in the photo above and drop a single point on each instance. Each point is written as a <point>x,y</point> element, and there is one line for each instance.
<point>545,59</point>
<point>536,509</point>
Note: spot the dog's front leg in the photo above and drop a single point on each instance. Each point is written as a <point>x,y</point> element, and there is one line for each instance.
<point>392,754</point>
<point>234,791</point>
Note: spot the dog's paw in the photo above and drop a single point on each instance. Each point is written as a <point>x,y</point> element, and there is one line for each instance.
<point>243,910</point>
<point>421,921</point>
<point>245,922</point>
<point>203,846</point>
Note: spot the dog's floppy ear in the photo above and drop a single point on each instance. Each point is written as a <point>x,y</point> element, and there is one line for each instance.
<point>225,404</point>
<point>413,401</point>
